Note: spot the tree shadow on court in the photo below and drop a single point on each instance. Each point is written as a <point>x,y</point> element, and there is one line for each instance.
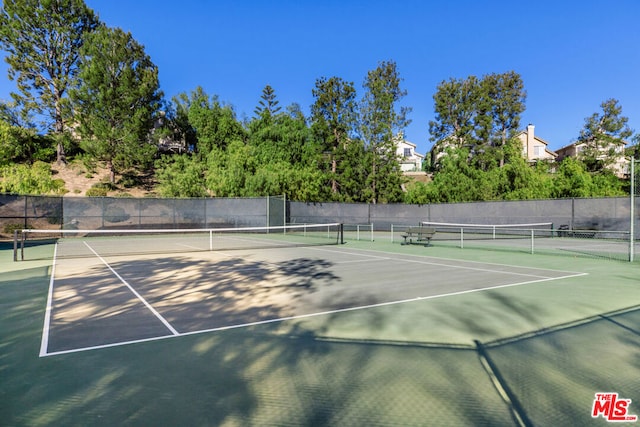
<point>277,374</point>
<point>95,307</point>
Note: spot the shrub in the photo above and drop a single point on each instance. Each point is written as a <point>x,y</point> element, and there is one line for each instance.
<point>98,190</point>
<point>29,179</point>
<point>11,227</point>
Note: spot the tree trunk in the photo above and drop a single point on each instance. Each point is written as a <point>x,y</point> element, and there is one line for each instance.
<point>61,158</point>
<point>112,172</point>
<point>334,168</point>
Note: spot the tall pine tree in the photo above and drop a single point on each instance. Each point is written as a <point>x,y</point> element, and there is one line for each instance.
<point>42,39</point>
<point>116,100</point>
<point>382,121</point>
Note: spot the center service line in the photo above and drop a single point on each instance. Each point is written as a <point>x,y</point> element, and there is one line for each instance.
<point>153,310</point>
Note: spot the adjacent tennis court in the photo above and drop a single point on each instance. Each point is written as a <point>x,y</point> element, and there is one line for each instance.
<point>293,326</point>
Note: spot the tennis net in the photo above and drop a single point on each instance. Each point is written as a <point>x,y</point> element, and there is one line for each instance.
<point>533,238</point>
<point>515,236</point>
<point>36,244</point>
<point>455,231</point>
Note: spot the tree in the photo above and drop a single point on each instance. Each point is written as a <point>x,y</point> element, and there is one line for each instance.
<point>500,105</point>
<point>18,144</point>
<point>116,99</point>
<point>381,121</point>
<point>480,114</point>
<point>180,176</point>
<point>42,39</point>
<point>604,136</point>
<point>333,116</point>
<point>572,180</point>
<point>268,104</point>
<point>455,103</point>
<point>282,137</point>
<point>208,122</point>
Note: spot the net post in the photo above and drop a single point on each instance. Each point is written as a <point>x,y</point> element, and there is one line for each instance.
<point>461,238</point>
<point>341,233</point>
<point>284,211</point>
<point>532,234</point>
<point>23,237</point>
<point>210,239</point>
<point>15,245</point>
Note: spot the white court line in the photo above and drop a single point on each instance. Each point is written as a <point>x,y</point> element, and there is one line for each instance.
<point>390,258</point>
<point>455,267</point>
<point>153,310</point>
<point>304,316</point>
<point>44,344</point>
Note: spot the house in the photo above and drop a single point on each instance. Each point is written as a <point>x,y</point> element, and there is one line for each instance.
<point>534,148</point>
<point>410,160</point>
<point>620,165</point>
<point>167,142</point>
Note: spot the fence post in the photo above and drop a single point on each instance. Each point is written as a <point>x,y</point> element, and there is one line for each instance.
<point>631,210</point>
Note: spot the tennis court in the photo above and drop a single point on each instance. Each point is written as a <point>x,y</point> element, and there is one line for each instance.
<point>119,299</point>
<point>295,328</point>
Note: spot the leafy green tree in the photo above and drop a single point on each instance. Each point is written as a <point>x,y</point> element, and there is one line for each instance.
<point>455,103</point>
<point>181,176</point>
<point>604,136</point>
<point>42,39</point>
<point>116,100</point>
<point>457,181</point>
<point>283,137</point>
<point>480,114</point>
<point>381,118</point>
<point>607,184</point>
<point>634,149</point>
<point>420,193</point>
<point>517,180</point>
<point>18,144</point>
<point>572,180</point>
<point>207,122</point>
<point>501,101</point>
<point>227,170</point>
<point>333,116</point>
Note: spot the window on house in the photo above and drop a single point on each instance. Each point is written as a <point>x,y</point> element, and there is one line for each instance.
<point>407,152</point>
<point>538,150</point>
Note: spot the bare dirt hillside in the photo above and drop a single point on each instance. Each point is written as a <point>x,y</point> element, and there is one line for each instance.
<point>78,180</point>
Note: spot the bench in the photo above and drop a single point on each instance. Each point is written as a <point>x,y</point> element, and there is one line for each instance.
<point>565,231</point>
<point>418,236</point>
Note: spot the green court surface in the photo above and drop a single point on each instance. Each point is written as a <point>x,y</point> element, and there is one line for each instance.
<point>366,333</point>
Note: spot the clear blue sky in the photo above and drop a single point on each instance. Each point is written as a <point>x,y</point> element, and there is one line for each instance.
<point>572,55</point>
